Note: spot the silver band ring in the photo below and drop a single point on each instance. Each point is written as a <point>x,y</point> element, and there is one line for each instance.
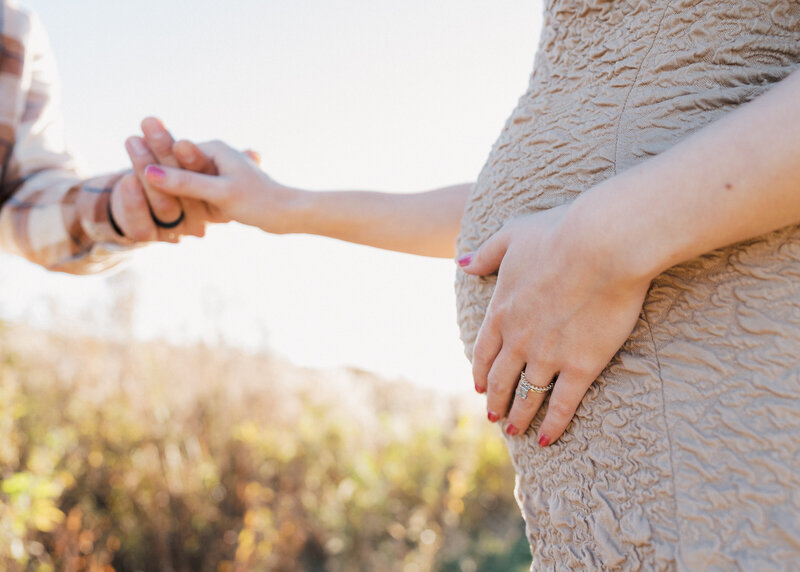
<point>524,387</point>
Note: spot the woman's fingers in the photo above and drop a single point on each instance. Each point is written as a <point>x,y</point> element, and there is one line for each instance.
<point>487,346</point>
<point>524,409</point>
<point>564,400</point>
<point>191,157</point>
<point>488,257</point>
<point>152,149</point>
<point>165,207</point>
<point>182,183</point>
<point>502,381</point>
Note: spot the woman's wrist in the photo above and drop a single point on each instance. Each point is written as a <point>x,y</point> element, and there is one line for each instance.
<point>285,210</point>
<point>625,245</point>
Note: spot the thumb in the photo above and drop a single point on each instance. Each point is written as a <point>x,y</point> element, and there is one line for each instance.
<point>182,183</point>
<point>487,259</point>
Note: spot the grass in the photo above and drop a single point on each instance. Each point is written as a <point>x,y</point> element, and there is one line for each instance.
<point>143,456</point>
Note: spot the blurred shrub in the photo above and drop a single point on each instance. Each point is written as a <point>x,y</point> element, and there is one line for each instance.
<point>146,457</point>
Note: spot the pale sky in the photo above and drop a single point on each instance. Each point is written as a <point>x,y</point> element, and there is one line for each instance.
<point>397,96</point>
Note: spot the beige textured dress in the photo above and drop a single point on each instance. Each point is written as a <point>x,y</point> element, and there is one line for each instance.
<point>685,453</point>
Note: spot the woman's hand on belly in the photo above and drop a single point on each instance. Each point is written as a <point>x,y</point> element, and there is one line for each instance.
<point>559,310</point>
<point>572,280</point>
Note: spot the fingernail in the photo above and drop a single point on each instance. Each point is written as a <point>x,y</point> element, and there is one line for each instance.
<point>465,260</point>
<point>155,173</point>
<point>479,389</point>
<point>493,417</point>
<point>544,440</point>
<point>154,127</point>
<point>137,146</point>
<point>511,430</point>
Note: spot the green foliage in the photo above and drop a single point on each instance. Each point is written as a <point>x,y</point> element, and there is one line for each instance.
<point>110,460</point>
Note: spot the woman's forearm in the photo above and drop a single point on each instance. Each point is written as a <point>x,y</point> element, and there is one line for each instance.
<point>420,223</point>
<point>732,180</point>
<point>423,223</point>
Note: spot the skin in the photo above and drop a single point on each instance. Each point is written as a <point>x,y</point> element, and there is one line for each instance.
<point>134,202</point>
<point>421,223</point>
<point>570,286</point>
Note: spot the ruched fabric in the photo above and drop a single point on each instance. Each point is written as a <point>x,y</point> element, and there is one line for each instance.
<point>685,453</point>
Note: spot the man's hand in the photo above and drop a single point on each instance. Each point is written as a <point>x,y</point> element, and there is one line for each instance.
<point>143,213</point>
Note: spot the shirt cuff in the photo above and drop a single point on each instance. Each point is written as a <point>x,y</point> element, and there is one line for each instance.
<point>94,207</point>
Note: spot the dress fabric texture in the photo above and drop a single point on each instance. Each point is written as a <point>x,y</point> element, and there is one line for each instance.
<point>685,453</point>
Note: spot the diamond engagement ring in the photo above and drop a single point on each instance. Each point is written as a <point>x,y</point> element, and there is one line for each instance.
<point>524,387</point>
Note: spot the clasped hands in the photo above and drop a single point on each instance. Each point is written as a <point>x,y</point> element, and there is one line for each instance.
<point>143,213</point>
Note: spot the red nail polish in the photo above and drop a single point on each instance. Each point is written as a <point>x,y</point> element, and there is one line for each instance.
<point>479,389</point>
<point>544,440</point>
<point>155,173</point>
<point>511,430</point>
<point>465,260</point>
<point>493,417</point>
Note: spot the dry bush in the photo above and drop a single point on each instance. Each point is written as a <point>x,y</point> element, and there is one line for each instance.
<point>143,456</point>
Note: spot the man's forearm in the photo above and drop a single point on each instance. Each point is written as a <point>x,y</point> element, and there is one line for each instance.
<point>61,223</point>
<point>734,179</point>
<point>420,223</point>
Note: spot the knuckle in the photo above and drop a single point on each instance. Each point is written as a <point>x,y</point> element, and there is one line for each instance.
<point>517,348</point>
<point>544,364</point>
<point>128,182</point>
<point>502,308</point>
<point>182,180</point>
<point>480,366</point>
<point>139,234</point>
<point>560,410</point>
<point>133,199</point>
<point>494,381</point>
<point>583,369</point>
<point>480,353</point>
<point>163,204</point>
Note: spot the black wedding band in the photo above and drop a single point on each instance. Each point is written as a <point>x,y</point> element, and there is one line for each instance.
<point>173,224</point>
<point>113,222</point>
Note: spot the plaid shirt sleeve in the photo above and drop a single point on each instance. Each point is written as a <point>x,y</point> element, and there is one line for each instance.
<point>47,213</point>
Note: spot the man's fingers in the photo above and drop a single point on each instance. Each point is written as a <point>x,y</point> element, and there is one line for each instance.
<point>564,400</point>
<point>131,210</point>
<point>165,207</point>
<point>182,183</point>
<point>192,158</point>
<point>196,216</point>
<point>160,141</point>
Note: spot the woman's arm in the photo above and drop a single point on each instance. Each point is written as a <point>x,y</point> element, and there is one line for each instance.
<point>419,223</point>
<point>736,179</point>
<point>422,223</point>
<point>572,280</point>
